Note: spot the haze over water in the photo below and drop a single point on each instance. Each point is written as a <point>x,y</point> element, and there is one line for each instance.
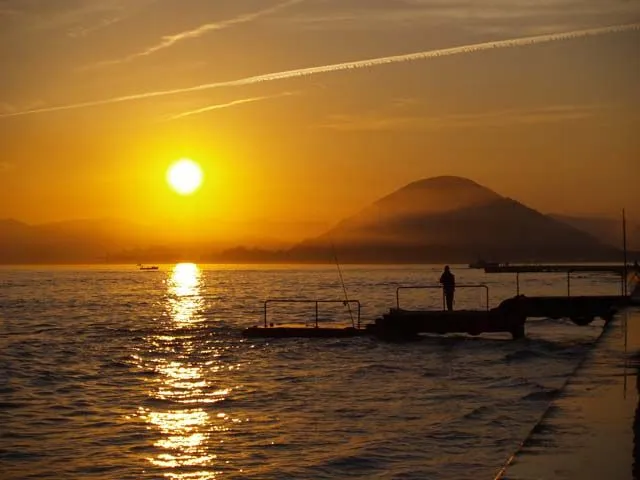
<point>110,372</point>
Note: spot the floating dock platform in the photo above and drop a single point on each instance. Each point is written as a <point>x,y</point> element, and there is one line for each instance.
<point>301,331</point>
<point>271,330</point>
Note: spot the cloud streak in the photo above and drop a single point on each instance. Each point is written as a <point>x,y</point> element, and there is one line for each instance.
<point>45,15</point>
<point>227,105</point>
<point>377,122</point>
<point>5,166</point>
<point>170,40</point>
<point>337,67</point>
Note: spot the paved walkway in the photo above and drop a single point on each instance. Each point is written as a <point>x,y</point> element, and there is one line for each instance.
<point>589,430</point>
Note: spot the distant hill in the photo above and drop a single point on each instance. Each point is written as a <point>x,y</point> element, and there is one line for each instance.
<point>118,241</point>
<point>73,241</point>
<point>608,230</point>
<point>452,219</point>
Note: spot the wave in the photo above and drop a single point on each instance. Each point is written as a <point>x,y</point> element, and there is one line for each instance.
<point>543,395</point>
<point>477,412</point>
<point>524,355</point>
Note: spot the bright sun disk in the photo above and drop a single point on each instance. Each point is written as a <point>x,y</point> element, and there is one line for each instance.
<point>184,176</point>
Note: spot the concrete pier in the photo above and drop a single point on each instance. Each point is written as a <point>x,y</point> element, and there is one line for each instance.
<point>568,268</point>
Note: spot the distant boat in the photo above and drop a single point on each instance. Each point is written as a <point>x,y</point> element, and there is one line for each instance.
<point>150,267</point>
<point>483,264</point>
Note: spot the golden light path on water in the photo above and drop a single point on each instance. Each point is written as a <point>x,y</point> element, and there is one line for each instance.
<point>185,449</point>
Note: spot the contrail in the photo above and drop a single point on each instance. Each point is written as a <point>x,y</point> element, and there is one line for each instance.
<point>372,62</point>
<point>219,106</point>
<point>170,40</point>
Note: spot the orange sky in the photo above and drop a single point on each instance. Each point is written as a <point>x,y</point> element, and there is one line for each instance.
<point>554,124</point>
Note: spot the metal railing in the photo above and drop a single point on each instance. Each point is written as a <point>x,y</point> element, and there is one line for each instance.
<point>433,287</point>
<point>316,302</point>
<point>568,272</point>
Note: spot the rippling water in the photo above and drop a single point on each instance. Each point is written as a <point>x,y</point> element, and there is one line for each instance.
<point>111,372</point>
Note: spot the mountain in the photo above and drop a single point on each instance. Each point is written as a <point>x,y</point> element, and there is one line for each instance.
<point>118,241</point>
<point>451,219</point>
<point>608,230</point>
<point>71,241</point>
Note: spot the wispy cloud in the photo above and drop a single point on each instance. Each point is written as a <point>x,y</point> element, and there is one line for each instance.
<point>6,108</point>
<point>219,106</point>
<point>170,40</point>
<point>6,166</point>
<point>77,16</point>
<point>11,109</point>
<point>534,16</point>
<point>80,32</point>
<point>359,64</point>
<point>8,11</point>
<point>383,121</point>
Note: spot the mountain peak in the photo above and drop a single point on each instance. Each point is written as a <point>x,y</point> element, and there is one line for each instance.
<point>445,181</point>
<point>436,194</point>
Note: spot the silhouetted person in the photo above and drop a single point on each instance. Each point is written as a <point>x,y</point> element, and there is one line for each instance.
<point>448,281</point>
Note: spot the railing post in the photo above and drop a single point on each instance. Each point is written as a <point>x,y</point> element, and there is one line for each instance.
<point>517,283</point>
<point>358,314</point>
<point>316,314</point>
<point>486,297</point>
<point>265,313</point>
<point>486,287</point>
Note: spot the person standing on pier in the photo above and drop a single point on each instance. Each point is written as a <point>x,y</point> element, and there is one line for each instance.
<point>448,281</point>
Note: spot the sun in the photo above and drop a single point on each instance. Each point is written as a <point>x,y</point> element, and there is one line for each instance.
<point>184,176</point>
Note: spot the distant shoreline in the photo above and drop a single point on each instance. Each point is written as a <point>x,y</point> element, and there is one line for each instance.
<point>458,264</point>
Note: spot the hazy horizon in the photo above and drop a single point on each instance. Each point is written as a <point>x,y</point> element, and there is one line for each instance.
<point>272,232</point>
<point>306,111</point>
<point>313,223</point>
<point>450,219</point>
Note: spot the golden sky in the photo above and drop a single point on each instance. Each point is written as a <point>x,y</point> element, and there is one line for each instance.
<point>97,98</point>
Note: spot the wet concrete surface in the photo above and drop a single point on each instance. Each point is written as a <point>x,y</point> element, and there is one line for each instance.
<point>592,428</point>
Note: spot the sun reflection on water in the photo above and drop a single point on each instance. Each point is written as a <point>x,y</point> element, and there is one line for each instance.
<point>184,426</point>
<point>185,300</point>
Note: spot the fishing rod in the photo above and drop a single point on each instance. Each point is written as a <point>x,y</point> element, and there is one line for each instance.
<point>624,250</point>
<point>344,287</point>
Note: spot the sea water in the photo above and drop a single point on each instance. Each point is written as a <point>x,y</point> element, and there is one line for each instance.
<point>109,372</point>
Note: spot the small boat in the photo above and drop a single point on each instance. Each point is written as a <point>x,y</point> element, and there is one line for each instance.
<point>150,267</point>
